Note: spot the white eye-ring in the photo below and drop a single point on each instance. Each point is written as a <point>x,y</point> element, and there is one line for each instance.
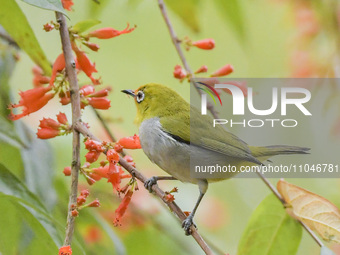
<point>140,96</point>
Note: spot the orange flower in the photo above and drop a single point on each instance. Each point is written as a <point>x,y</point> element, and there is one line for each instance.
<point>91,46</point>
<point>179,73</point>
<point>205,44</point>
<point>85,64</point>
<point>112,156</point>
<point>131,142</point>
<point>67,4</point>
<point>67,171</point>
<point>120,211</point>
<point>108,32</point>
<point>47,133</point>
<point>65,250</point>
<point>202,69</point>
<point>101,103</point>
<point>31,100</point>
<point>223,71</point>
<point>62,119</point>
<point>58,66</point>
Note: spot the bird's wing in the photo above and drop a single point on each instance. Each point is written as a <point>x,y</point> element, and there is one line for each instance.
<point>199,131</point>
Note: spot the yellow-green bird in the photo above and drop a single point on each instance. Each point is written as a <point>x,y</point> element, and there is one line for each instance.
<point>164,120</point>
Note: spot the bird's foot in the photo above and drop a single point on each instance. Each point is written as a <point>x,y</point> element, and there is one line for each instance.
<point>187,223</point>
<point>150,182</point>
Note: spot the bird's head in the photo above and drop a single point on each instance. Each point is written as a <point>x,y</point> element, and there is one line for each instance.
<point>155,100</point>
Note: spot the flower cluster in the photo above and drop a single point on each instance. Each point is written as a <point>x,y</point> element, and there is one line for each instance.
<point>204,44</point>
<point>109,169</point>
<point>81,200</point>
<point>50,128</point>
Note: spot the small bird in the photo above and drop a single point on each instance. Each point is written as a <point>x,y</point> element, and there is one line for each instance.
<point>164,119</point>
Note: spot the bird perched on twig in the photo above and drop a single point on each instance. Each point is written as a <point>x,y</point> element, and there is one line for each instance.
<point>173,133</point>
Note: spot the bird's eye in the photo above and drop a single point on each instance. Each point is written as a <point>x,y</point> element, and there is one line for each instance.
<point>140,96</point>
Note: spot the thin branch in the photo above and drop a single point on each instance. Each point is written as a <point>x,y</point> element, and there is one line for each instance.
<point>76,116</point>
<point>177,44</point>
<point>210,107</point>
<point>158,192</point>
<point>157,224</point>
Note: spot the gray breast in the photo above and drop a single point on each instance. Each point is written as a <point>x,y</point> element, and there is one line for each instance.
<point>173,156</point>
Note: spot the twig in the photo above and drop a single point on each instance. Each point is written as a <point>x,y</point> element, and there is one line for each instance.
<point>177,44</point>
<point>210,107</point>
<point>158,192</point>
<point>76,116</point>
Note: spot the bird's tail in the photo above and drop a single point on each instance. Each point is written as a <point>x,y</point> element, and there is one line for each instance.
<point>263,153</point>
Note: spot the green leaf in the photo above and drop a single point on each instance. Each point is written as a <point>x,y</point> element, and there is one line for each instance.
<point>31,209</point>
<point>53,5</point>
<point>84,25</point>
<point>7,63</point>
<point>15,23</point>
<point>37,165</point>
<point>232,12</point>
<point>8,133</point>
<point>187,11</point>
<point>270,231</point>
<point>326,251</point>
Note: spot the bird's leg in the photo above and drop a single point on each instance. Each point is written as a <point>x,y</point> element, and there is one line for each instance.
<point>153,181</point>
<point>189,221</point>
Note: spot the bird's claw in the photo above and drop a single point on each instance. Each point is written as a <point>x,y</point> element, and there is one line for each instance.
<point>150,182</point>
<point>187,223</point>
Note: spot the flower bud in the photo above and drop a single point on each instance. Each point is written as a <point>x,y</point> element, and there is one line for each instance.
<point>205,44</point>
<point>223,71</point>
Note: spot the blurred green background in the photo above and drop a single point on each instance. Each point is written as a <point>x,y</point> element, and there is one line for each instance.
<point>267,47</point>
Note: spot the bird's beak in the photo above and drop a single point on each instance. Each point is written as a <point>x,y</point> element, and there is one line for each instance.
<point>129,92</point>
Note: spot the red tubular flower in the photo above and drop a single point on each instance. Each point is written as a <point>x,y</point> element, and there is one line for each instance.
<point>131,142</point>
<point>118,148</point>
<point>87,90</point>
<point>49,123</point>
<point>92,156</point>
<point>85,64</point>
<point>101,172</point>
<point>39,80</point>
<point>101,93</point>
<point>223,71</point>
<point>93,145</point>
<point>58,65</point>
<point>202,69</point>
<point>120,211</point>
<point>67,4</point>
<point>74,213</point>
<point>31,100</point>
<point>101,103</point>
<point>81,200</point>
<point>108,32</point>
<point>94,203</point>
<point>91,46</point>
<point>65,250</point>
<point>85,193</point>
<point>114,176</point>
<point>179,73</point>
<point>65,100</point>
<point>205,44</point>
<point>112,156</point>
<point>67,171</point>
<point>62,119</point>
<point>47,133</point>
